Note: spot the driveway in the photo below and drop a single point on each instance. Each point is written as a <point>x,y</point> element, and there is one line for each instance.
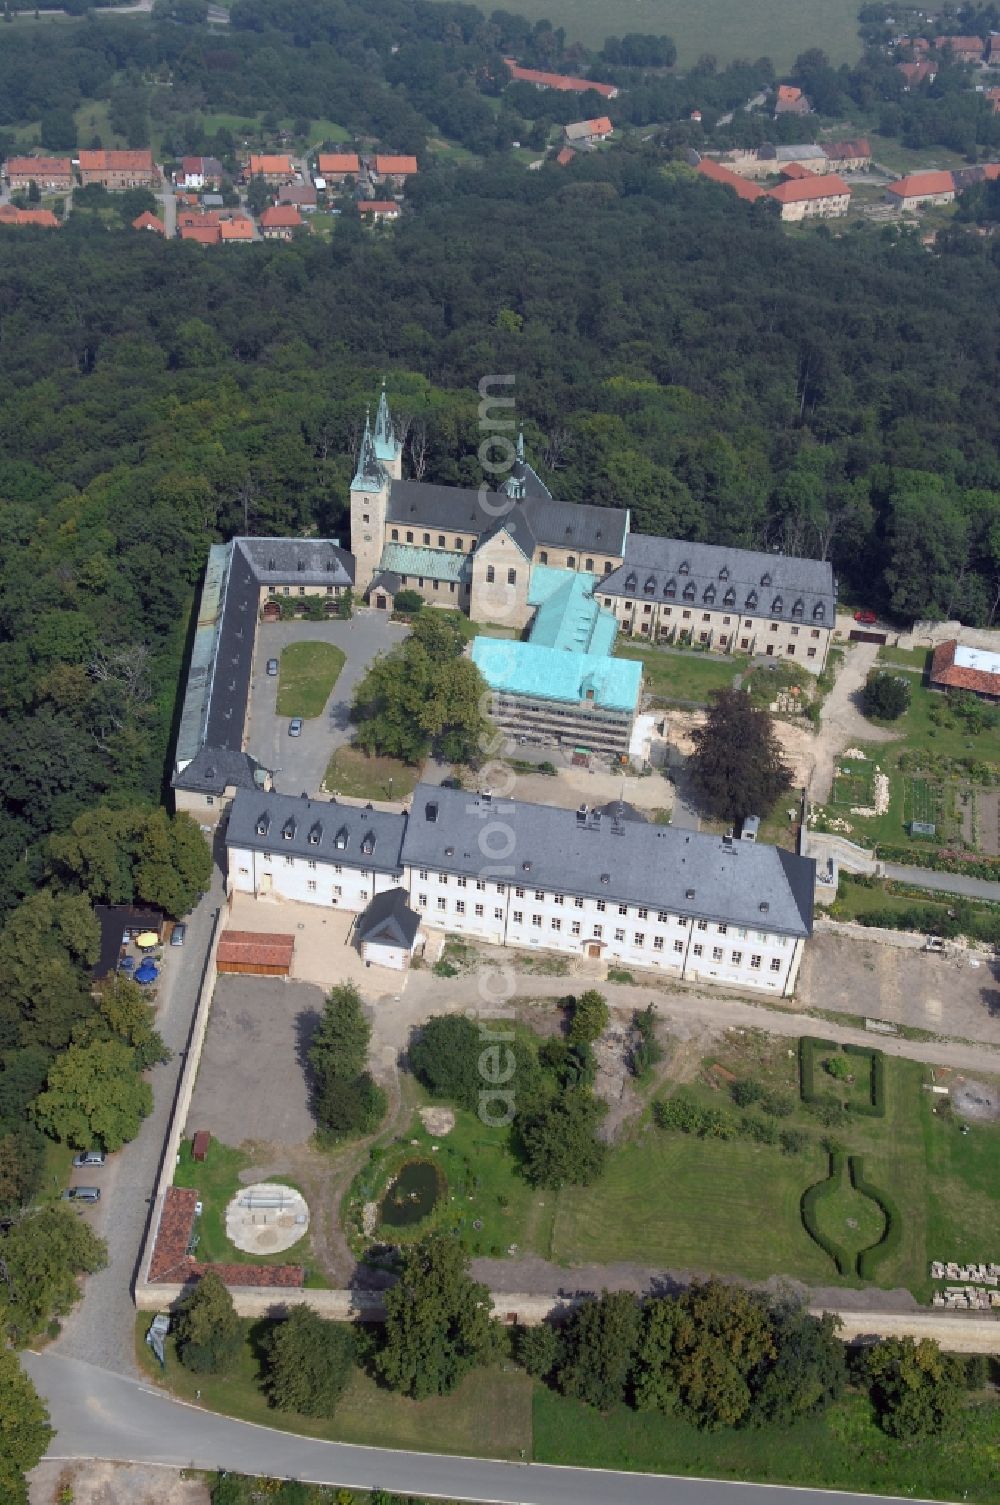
<point>841,723</point>
<point>299,763</point>
<point>101,1327</point>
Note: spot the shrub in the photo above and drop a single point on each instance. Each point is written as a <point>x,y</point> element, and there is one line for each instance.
<point>869,1259</point>
<point>811,1198</point>
<point>760,1130</point>
<point>837,1067</point>
<point>792,1141</point>
<point>744,1094</point>
<point>777,1104</point>
<point>407,602</point>
<point>885,696</point>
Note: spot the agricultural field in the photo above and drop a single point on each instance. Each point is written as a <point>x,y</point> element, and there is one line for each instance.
<point>778,29</point>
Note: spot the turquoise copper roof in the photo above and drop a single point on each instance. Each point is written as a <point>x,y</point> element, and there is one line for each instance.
<point>370,474</point>
<point>544,673</point>
<point>424,564</point>
<point>386,443</point>
<point>568,616</point>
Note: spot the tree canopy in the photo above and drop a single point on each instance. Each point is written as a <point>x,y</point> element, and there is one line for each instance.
<point>308,1363</point>
<point>737,767</point>
<point>24,1428</point>
<point>207,1329</point>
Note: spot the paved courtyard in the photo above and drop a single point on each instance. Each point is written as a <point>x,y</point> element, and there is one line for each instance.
<point>325,952</point>
<point>251,1081</point>
<point>946,994</point>
<point>299,763</point>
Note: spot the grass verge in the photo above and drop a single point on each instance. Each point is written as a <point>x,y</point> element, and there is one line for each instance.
<point>352,772</point>
<point>307,674</point>
<point>684,674</point>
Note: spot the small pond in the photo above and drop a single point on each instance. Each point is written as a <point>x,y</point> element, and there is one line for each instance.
<point>412,1195</point>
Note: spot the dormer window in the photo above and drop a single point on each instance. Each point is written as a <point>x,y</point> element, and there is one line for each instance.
<point>709,594</point>
<point>729,599</point>
<point>777,606</point>
<point>819,612</point>
<point>650,585</point>
<point>271,564</point>
<point>288,829</point>
<point>368,844</point>
<point>300,565</point>
<point>329,566</point>
<point>798,607</point>
<point>670,589</point>
<point>685,568</point>
<point>765,579</point>
<point>341,839</point>
<point>724,572</point>
<point>631,581</point>
<point>315,834</point>
<point>752,601</point>
<point>689,591</point>
<point>263,824</point>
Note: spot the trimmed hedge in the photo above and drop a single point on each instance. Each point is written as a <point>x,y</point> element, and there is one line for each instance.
<point>869,1259</point>
<point>875,1108</point>
<point>809,1047</point>
<point>811,1197</point>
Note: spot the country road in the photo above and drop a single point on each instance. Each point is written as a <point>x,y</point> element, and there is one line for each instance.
<point>100,1415</point>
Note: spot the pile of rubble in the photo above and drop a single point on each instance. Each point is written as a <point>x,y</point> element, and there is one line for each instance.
<point>978,1293</point>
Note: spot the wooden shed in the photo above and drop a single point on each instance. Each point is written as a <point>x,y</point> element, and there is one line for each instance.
<point>264,955</point>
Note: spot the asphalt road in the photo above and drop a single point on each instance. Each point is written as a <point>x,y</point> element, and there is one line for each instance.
<point>947,883</point>
<point>299,763</point>
<point>101,1326</point>
<point>99,1415</point>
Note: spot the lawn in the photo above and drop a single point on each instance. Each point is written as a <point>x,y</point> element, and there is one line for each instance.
<point>489,1415</point>
<point>352,772</point>
<point>91,119</point>
<point>684,675</point>
<point>778,29</point>
<point>843,1450</point>
<point>307,673</point>
<point>216,1180</point>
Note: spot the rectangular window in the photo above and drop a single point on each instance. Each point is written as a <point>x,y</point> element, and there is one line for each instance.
<point>619,935</point>
<point>442,905</point>
<point>810,653</point>
<point>663,917</point>
<point>337,892</point>
<point>498,914</point>
<point>518,917</point>
<point>441,540</point>
<point>775,963</point>
<point>679,947</point>
<point>313,866</point>
<point>512,577</point>
<point>814,633</point>
<point>421,901</point>
<point>686,615</point>
<point>717,953</point>
<point>460,906</point>
<point>443,879</point>
<point>427,539</point>
<point>539,894</point>
<point>423,875</point>
<point>543,558</point>
<point>462,882</point>
<point>575,927</point>
<point>623,909</point>
<point>578,903</point>
<point>683,921</point>
<point>395,534</point>
<point>702,924</point>
<point>723,929</point>
<point>519,893</point>
<point>640,939</point>
<point>555,923</point>
<point>480,886</point>
<point>501,888</point>
<point>557,898</point>
<point>706,616</point>
<point>479,911</point>
<point>790,650</point>
<point>644,914</point>
<point>795,632</point>
<point>598,932</point>
<point>657,943</point>
<point>736,957</point>
<point>536,921</point>
<point>311,885</point>
<point>289,861</point>
<point>409,538</point>
<point>601,906</point>
<point>698,950</point>
<point>774,626</point>
<point>755,962</point>
<point>459,544</point>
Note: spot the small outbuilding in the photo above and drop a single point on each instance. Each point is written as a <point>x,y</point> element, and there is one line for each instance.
<point>388,930</point>
<point>262,954</point>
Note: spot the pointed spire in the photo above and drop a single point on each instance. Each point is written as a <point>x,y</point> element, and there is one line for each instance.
<point>370,475</point>
<point>385,433</point>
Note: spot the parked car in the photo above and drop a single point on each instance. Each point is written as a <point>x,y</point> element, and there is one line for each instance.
<point>295,727</point>
<point>868,618</point>
<point>272,667</point>
<point>177,935</point>
<point>82,1194</point>
<point>89,1157</point>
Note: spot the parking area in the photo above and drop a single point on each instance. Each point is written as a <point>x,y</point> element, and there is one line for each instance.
<point>955,994</point>
<point>251,1080</point>
<point>299,763</point>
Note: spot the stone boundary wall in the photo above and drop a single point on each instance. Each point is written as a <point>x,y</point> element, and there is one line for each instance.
<point>143,1292</point>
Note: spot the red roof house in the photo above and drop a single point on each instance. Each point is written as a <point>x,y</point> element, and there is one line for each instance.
<point>919,188</point>
<point>379,208</point>
<point>915,73</point>
<point>264,954</point>
<point>148,221</point>
<point>957,667</point>
<point>55,173</point>
<point>132,169</point>
<point>560,81</point>
<point>388,166</point>
<point>790,101</point>
<point>795,170</point>
<point>804,198</point>
<point>280,221</point>
<point>719,174</point>
<point>337,164</point>
<point>44,218</point>
<point>202,235</point>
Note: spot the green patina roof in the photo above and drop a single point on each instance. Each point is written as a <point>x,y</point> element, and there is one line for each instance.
<point>427,564</point>
<point>386,444</point>
<point>568,616</point>
<point>370,474</point>
<point>545,673</point>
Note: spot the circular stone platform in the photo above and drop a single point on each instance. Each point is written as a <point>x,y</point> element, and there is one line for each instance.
<point>266,1218</point>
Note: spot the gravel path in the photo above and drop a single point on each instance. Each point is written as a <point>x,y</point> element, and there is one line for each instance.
<point>841,723</point>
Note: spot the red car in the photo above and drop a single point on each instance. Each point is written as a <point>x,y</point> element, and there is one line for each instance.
<point>867,617</point>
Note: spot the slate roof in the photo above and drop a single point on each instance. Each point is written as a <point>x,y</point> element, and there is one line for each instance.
<point>455,508</point>
<point>655,567</point>
<point>389,920</point>
<point>212,770</point>
<point>664,867</point>
<point>458,509</point>
<point>320,830</point>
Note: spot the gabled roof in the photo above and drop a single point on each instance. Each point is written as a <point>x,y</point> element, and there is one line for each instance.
<point>238,228</point>
<point>354,836</point>
<point>584,129</point>
<point>561,81</point>
<point>795,171</point>
<point>329,164</point>
<point>537,672</point>
<point>795,191</point>
<point>203,235</point>
<point>395,166</point>
<point>389,921</point>
<point>416,562</point>
<point>110,161</point>
<point>958,667</point>
<point>842,151</point>
<point>719,174</point>
<point>215,769</point>
<point>917,184</point>
<point>280,217</point>
<point>270,164</point>
<point>516,526</point>
<point>41,167</point>
<point>565,156</point>
<point>44,218</point>
<point>148,221</point>
<point>915,73</point>
<point>570,525</point>
<point>788,94</point>
<point>384,208</point>
<point>665,867</point>
<point>256,948</point>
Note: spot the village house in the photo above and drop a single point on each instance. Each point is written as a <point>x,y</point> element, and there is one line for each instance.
<point>392,170</point>
<point>993,49</point>
<point>767,159</point>
<point>52,174</point>
<point>954,666</point>
<point>302,195</point>
<point>588,131</point>
<point>273,167</point>
<point>565,155</point>
<point>119,170</point>
<point>199,172</point>
<point>849,156</point>
<point>919,189</point>
<point>790,101</point>
<point>560,81</point>
<point>378,209</point>
<point>334,167</point>
<point>600,883</point>
<point>720,174</point>
<point>238,230</point>
<point>42,218</point>
<point>962,49</point>
<point>202,233</point>
<point>148,221</point>
<point>280,222</point>
<point>806,198</point>
<point>917,73</point>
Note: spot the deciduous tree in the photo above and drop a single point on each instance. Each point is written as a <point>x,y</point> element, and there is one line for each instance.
<point>24,1429</point>
<point>208,1333</point>
<point>737,767</point>
<point>438,1322</point>
<point>94,1095</point>
<point>308,1363</point>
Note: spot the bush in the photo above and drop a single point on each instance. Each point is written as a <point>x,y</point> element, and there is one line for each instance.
<point>837,1067</point>
<point>792,1141</point>
<point>885,696</point>
<point>407,603</point>
<point>811,1198</point>
<point>760,1130</point>
<point>777,1104</point>
<point>648,1051</point>
<point>869,1259</point>
<point>744,1094</point>
<point>589,1018</point>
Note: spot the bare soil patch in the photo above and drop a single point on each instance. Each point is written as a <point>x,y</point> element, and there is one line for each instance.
<point>437,1121</point>
<point>976,1100</point>
<point>95,1482</point>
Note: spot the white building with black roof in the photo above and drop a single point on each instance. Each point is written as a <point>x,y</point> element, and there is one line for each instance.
<point>599,883</point>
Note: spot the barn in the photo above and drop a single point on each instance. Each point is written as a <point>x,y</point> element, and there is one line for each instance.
<point>263,954</point>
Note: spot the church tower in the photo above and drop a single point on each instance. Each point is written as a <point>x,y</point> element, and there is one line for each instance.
<point>369,503</point>
<point>388,448</point>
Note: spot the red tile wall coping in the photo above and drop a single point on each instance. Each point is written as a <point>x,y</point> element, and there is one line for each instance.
<point>171,1262</point>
